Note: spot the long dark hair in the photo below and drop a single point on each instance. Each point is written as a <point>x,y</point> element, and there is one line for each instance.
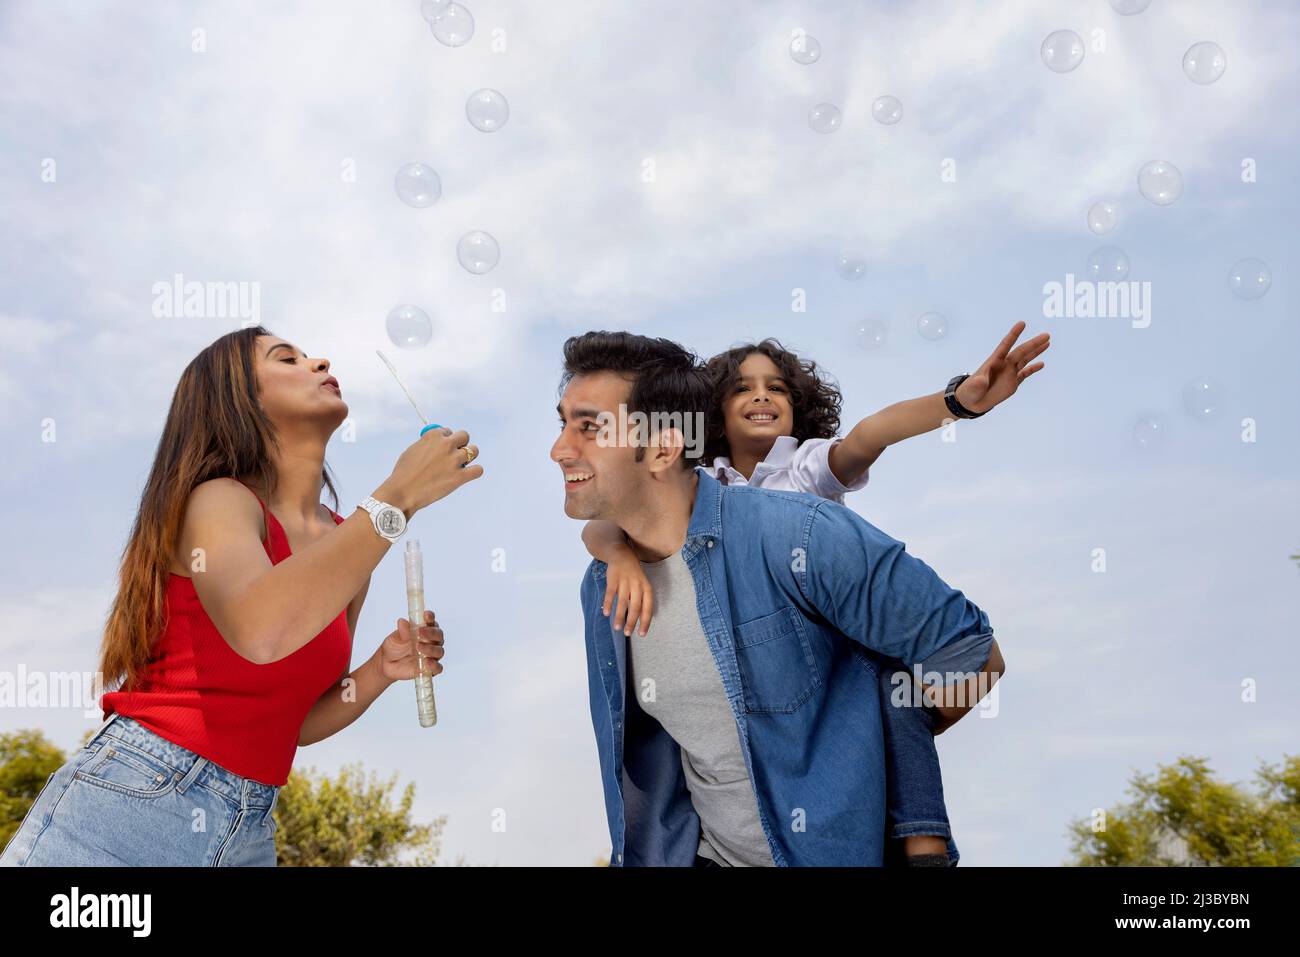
<point>215,428</point>
<point>814,395</point>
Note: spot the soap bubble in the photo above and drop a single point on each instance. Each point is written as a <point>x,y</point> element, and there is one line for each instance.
<point>487,110</point>
<point>478,252</point>
<point>887,110</point>
<point>1108,264</point>
<point>431,8</point>
<point>1203,398</point>
<point>851,265</point>
<point>932,325</point>
<point>1129,7</point>
<point>1148,432</point>
<point>824,118</point>
<point>1062,51</point>
<point>1160,181</point>
<point>1249,278</point>
<point>1204,62</point>
<point>1103,216</point>
<point>409,327</point>
<point>451,23</point>
<point>418,185</point>
<point>805,49</point>
<point>871,333</point>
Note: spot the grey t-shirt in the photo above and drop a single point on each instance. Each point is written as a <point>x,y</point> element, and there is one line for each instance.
<point>676,682</point>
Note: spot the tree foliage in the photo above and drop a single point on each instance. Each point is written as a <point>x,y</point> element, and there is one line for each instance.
<point>1182,815</point>
<point>27,759</point>
<point>351,820</point>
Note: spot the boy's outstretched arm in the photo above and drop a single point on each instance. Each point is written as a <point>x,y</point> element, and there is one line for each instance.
<point>994,382</point>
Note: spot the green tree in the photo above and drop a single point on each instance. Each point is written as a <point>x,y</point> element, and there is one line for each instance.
<point>1182,815</point>
<point>336,822</point>
<point>27,759</point>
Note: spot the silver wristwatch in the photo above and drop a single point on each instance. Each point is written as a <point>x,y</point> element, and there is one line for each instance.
<point>389,521</point>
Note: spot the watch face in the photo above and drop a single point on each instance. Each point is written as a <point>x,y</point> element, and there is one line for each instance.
<point>391,521</point>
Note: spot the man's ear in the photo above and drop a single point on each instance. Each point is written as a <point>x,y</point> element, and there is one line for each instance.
<point>666,447</point>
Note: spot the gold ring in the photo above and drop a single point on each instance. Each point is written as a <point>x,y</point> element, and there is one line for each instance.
<point>470,453</point>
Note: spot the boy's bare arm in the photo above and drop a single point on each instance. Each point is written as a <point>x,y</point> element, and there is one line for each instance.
<point>858,450</point>
<point>603,540</point>
<point>993,383</point>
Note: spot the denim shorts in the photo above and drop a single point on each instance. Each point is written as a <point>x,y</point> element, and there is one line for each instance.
<point>132,798</point>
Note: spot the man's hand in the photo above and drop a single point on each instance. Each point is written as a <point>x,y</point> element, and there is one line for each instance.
<point>1002,372</point>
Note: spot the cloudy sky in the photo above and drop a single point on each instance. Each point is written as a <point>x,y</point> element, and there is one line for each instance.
<point>658,173</point>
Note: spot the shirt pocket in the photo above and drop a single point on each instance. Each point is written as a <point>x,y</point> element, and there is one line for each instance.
<point>777,670</point>
<point>128,770</point>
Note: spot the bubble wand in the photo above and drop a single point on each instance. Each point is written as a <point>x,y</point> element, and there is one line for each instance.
<point>425,705</point>
<point>427,424</point>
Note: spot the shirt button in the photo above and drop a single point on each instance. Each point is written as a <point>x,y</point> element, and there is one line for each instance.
<point>710,543</point>
<point>620,858</point>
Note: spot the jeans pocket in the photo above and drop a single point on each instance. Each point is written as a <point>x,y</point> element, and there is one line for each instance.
<point>128,770</point>
<point>268,818</point>
<point>777,670</point>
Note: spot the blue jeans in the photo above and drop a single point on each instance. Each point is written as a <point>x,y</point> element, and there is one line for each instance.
<point>914,804</point>
<point>132,798</point>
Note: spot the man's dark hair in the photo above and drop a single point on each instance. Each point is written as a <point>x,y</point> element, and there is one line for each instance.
<point>814,398</point>
<point>665,377</point>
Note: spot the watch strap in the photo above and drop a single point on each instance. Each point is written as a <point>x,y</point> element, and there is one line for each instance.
<point>373,507</point>
<point>950,399</point>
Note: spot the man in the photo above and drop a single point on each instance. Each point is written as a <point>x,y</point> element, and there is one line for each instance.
<point>745,727</point>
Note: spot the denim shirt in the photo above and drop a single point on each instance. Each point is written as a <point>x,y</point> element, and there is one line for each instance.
<point>799,599</point>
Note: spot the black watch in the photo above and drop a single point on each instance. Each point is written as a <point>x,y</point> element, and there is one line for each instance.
<point>950,399</point>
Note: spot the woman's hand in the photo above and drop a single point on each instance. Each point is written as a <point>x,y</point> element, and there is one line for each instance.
<point>398,658</point>
<point>625,581</point>
<point>434,466</point>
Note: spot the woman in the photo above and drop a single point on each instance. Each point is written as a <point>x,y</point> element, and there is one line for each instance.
<point>231,632</point>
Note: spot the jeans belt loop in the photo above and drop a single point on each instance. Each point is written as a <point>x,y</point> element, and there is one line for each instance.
<point>104,727</point>
<point>199,764</point>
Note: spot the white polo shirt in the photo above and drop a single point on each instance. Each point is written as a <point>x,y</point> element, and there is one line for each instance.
<point>791,467</point>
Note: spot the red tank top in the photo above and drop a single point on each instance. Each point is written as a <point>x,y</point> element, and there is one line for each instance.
<point>200,693</point>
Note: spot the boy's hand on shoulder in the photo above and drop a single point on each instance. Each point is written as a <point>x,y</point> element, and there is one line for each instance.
<point>626,581</point>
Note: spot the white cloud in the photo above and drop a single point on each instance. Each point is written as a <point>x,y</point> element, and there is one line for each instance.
<point>59,627</point>
<point>226,164</point>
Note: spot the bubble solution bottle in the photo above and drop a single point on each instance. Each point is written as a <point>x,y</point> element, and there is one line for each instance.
<point>415,615</point>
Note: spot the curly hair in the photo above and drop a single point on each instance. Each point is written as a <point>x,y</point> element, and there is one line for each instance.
<point>814,395</point>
